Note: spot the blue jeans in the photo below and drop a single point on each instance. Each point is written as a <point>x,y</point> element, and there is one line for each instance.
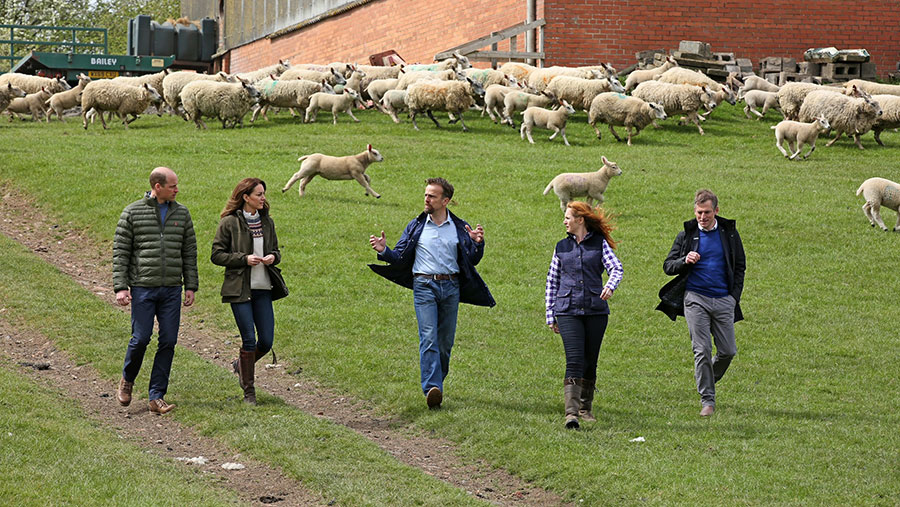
<point>256,313</point>
<point>437,304</point>
<point>163,303</point>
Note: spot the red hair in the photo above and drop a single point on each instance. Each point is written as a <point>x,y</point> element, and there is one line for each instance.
<point>595,220</point>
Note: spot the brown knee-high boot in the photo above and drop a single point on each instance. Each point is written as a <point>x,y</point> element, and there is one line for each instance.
<point>587,399</point>
<point>572,391</point>
<point>247,372</point>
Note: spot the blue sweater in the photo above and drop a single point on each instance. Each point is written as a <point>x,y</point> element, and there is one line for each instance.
<point>708,276</point>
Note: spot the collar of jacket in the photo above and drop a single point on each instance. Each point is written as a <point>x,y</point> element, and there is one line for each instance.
<point>150,200</point>
<point>723,223</point>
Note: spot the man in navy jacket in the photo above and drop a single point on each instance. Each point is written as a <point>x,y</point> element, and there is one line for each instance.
<point>436,258</point>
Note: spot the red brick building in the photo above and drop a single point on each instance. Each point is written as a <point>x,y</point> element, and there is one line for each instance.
<point>577,32</point>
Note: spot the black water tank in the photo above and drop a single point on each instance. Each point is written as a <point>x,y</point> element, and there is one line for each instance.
<point>139,35</point>
<point>163,38</point>
<point>209,40</point>
<point>188,43</point>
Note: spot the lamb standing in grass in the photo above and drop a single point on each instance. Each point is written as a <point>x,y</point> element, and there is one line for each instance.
<point>890,115</point>
<point>614,108</point>
<point>853,116</point>
<point>8,92</point>
<point>677,98</point>
<point>759,98</point>
<point>342,103</point>
<point>880,192</point>
<point>228,102</point>
<point>124,100</point>
<point>336,168</point>
<point>797,134</point>
<point>547,119</point>
<point>591,185</point>
<point>68,99</point>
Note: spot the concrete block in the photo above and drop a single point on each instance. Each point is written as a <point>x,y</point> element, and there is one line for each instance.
<point>789,64</point>
<point>770,64</point>
<point>696,47</point>
<point>727,58</point>
<point>772,77</point>
<point>837,71</point>
<point>867,70</point>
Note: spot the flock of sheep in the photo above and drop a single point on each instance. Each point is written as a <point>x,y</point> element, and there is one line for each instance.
<point>545,97</point>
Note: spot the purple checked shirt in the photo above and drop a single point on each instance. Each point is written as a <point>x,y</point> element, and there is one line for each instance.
<point>610,262</point>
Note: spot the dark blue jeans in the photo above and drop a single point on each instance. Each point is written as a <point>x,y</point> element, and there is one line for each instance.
<point>582,336</point>
<point>256,318</point>
<point>147,303</point>
<point>437,305</point>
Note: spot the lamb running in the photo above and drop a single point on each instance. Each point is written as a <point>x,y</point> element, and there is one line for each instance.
<point>796,133</point>
<point>639,76</point>
<point>34,103</point>
<point>393,102</point>
<point>757,83</point>
<point>520,101</point>
<point>547,119</point>
<point>68,99</point>
<point>336,168</point>
<point>880,192</point>
<point>591,185</point>
<point>342,103</point>
<point>759,98</point>
<point>8,92</point>
<point>630,112</point>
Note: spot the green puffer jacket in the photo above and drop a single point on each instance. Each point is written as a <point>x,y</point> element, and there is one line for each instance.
<point>231,246</point>
<point>146,255</point>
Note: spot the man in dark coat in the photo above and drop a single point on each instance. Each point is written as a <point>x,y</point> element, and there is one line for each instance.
<point>436,258</point>
<point>708,259</point>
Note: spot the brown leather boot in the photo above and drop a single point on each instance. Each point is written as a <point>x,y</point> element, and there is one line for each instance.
<point>247,372</point>
<point>572,391</point>
<point>124,392</point>
<point>587,400</point>
<point>160,406</point>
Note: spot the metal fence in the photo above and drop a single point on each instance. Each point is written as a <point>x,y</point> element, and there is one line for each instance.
<point>64,39</point>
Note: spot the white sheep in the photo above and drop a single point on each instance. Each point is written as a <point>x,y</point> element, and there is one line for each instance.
<point>33,84</point>
<point>336,168</point>
<point>68,99</point>
<point>791,96</point>
<point>677,98</point>
<point>175,82</point>
<point>34,103</point>
<point>487,77</point>
<point>353,81</point>
<point>757,83</point>
<point>294,93</point>
<point>494,95</point>
<point>592,185</point>
<point>456,62</point>
<point>853,116</point>
<point>760,98</point>
<point>581,92</point>
<point>378,87</point>
<point>520,101</point>
<point>518,70</point>
<point>277,70</point>
<point>639,76</point>
<point>124,100</point>
<point>228,102</point>
<point>540,79</point>
<point>407,78</point>
<point>880,192</point>
<point>8,92</point>
<point>871,87</point>
<point>342,103</point>
<point>547,119</point>
<point>797,134</point>
<point>613,108</point>
<point>454,97</point>
<point>374,73</point>
<point>155,80</point>
<point>393,102</point>
<point>333,77</point>
<point>681,75</point>
<point>890,115</point>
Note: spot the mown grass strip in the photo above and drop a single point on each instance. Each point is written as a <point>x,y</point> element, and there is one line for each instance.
<point>325,457</point>
<point>53,455</point>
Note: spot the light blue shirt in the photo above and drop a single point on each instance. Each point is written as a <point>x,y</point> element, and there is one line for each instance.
<point>436,252</point>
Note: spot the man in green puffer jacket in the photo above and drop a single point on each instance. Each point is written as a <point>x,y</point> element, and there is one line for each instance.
<point>154,254</point>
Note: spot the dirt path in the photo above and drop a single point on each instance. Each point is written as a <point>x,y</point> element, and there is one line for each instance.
<point>39,360</point>
<point>85,260</point>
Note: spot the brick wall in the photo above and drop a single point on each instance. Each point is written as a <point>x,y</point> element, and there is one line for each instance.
<point>417,30</point>
<point>582,32</point>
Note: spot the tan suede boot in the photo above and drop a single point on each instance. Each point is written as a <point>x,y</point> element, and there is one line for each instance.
<point>572,391</point>
<point>587,400</point>
<point>247,372</point>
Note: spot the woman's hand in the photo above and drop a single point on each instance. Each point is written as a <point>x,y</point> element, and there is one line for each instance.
<point>606,294</point>
<point>253,260</point>
<point>269,259</point>
<point>554,327</point>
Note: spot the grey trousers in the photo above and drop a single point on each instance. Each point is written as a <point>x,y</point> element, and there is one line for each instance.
<point>707,315</point>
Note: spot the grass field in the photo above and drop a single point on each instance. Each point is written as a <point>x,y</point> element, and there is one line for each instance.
<point>807,413</point>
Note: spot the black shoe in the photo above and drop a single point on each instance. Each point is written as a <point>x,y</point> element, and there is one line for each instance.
<point>434,397</point>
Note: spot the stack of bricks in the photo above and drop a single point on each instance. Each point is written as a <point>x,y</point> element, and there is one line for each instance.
<point>698,56</point>
<point>778,70</point>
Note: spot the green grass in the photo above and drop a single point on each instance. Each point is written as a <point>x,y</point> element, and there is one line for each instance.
<point>44,439</point>
<point>807,413</point>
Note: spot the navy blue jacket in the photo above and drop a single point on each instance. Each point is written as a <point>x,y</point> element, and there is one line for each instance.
<point>472,289</point>
<point>580,277</point>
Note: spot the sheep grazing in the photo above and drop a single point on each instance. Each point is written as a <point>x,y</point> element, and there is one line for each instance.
<point>680,75</point>
<point>541,78</point>
<point>797,134</point>
<point>454,97</point>
<point>291,94</point>
<point>34,103</point>
<point>871,87</point>
<point>520,101</point>
<point>393,102</point>
<point>33,84</point>
<point>581,92</point>
<point>378,87</point>
<point>677,98</point>
<point>639,76</point>
<point>614,108</point>
<point>853,116</point>
<point>520,71</point>
<point>493,100</point>
<point>342,103</point>
<point>791,96</point>
<point>68,99</point>
<point>258,75</point>
<point>407,78</point>
<point>880,192</point>
<point>592,185</point>
<point>336,168</point>
<point>547,119</point>
<point>757,83</point>
<point>228,102</point>
<point>124,100</point>
<point>759,98</point>
<point>890,115</point>
<point>332,76</point>
<point>8,92</point>
<point>175,82</point>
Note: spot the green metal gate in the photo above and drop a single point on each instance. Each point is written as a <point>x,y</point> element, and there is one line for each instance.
<point>70,39</point>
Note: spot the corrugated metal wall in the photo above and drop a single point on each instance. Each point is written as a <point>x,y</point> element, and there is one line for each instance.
<point>248,20</point>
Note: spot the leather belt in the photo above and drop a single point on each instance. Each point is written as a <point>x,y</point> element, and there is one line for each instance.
<point>452,276</point>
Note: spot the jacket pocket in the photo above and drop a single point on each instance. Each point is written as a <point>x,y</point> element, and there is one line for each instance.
<point>563,302</point>
<point>597,302</point>
<point>234,283</point>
